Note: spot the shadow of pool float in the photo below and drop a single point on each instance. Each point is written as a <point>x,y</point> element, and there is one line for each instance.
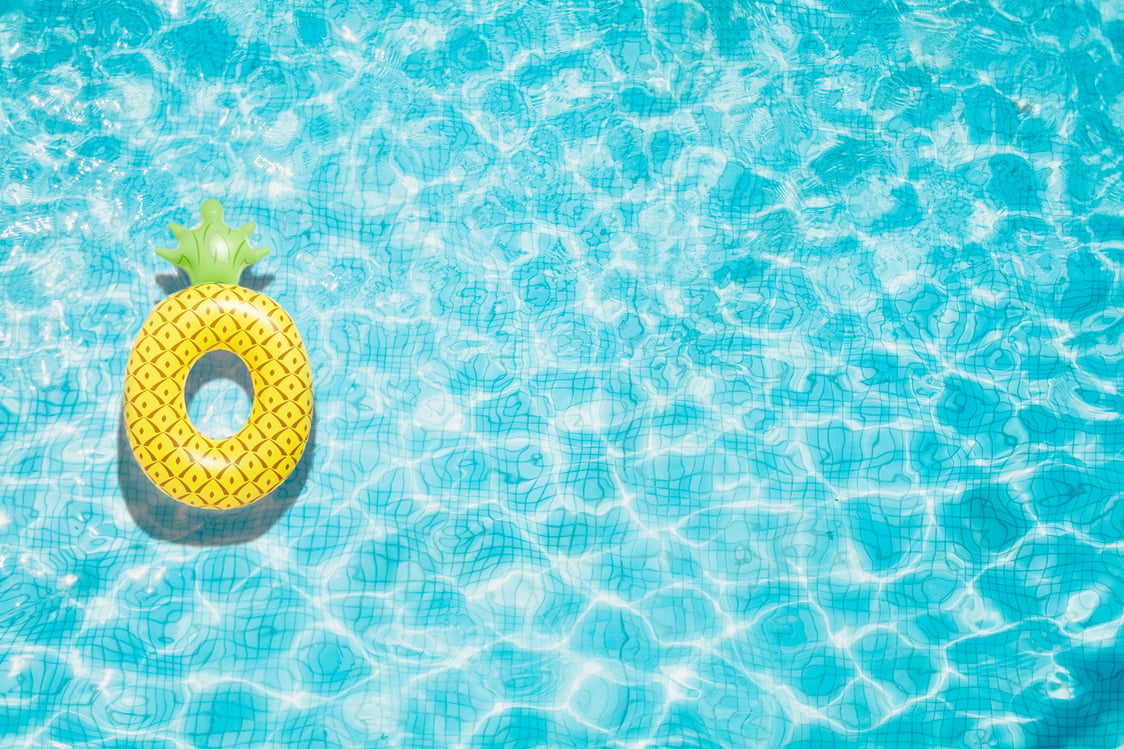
<point>166,519</point>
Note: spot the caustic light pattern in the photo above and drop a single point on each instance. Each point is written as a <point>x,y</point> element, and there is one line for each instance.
<point>688,374</point>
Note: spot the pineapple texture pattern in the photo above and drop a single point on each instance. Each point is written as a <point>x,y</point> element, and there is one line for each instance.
<point>190,466</point>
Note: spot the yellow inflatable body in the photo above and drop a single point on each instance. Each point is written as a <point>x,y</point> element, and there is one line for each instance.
<point>212,315</point>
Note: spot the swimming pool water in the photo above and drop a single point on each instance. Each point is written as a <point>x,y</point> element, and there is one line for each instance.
<point>688,374</point>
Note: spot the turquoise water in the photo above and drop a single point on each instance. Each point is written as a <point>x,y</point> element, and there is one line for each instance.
<point>687,374</point>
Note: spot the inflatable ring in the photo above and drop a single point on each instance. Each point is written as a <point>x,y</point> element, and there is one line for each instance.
<point>216,314</point>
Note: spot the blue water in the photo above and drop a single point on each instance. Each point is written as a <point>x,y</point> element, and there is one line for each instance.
<point>688,374</point>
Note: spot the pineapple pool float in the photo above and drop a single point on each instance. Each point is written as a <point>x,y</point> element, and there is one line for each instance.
<point>216,314</point>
